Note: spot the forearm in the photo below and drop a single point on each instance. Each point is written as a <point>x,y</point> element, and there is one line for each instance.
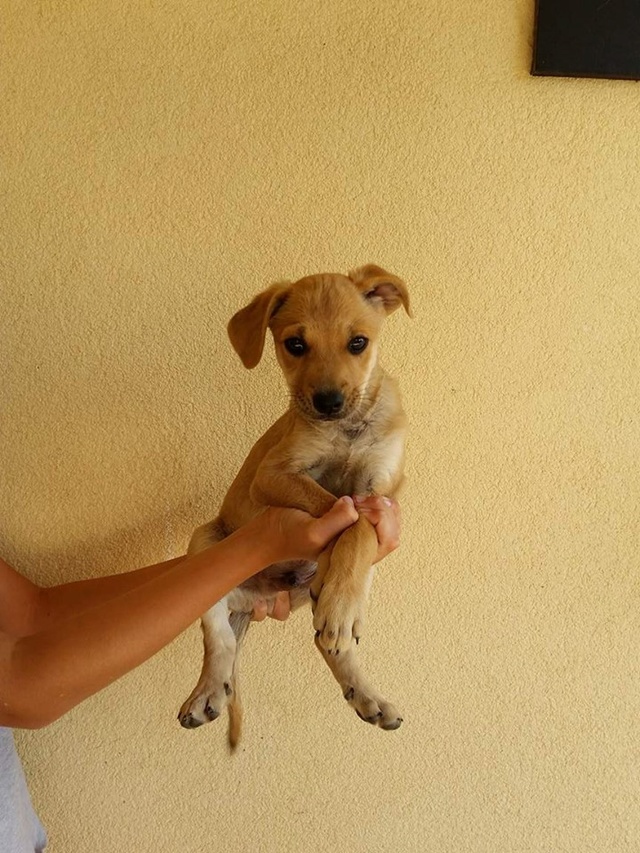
<point>57,603</point>
<point>52,671</point>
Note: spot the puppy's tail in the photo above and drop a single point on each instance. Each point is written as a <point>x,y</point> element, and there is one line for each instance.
<point>234,707</point>
<point>239,623</point>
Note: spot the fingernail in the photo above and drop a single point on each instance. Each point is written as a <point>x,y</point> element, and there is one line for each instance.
<point>358,499</point>
<point>386,501</point>
<point>347,500</point>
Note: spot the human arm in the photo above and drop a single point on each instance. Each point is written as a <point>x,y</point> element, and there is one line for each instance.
<point>45,673</point>
<point>39,608</point>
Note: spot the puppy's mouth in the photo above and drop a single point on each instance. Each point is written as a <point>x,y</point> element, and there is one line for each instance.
<point>327,405</point>
<point>339,416</point>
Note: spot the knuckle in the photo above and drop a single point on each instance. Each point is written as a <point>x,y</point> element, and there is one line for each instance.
<point>314,535</point>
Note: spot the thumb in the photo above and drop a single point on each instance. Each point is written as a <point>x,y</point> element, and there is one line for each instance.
<point>341,515</point>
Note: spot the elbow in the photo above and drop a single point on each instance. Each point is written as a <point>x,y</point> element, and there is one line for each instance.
<point>40,718</point>
<point>24,716</point>
<point>25,712</point>
<point>31,722</point>
<point>24,706</point>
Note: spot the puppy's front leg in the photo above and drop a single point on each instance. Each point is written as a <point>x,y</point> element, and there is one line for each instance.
<point>341,591</point>
<point>341,585</point>
<point>275,484</point>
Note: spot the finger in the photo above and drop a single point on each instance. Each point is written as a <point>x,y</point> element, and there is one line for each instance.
<point>281,607</point>
<point>388,533</point>
<point>388,529</point>
<point>260,610</point>
<point>341,515</point>
<point>377,506</point>
<point>372,512</point>
<point>373,502</point>
<point>384,514</point>
<point>373,507</point>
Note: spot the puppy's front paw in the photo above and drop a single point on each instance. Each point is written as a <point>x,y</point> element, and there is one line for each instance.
<point>338,619</point>
<point>205,704</point>
<point>373,709</point>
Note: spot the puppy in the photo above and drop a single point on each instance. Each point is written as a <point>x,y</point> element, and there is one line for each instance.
<point>343,434</point>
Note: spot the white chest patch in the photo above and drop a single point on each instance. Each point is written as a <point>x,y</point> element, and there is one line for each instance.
<point>360,465</point>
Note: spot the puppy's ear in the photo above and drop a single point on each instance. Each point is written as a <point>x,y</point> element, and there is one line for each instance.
<point>382,289</point>
<point>247,329</point>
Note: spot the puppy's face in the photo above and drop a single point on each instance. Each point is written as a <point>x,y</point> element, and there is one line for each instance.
<point>325,335</point>
<point>325,329</point>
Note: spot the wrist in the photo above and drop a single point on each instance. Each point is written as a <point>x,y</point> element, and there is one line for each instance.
<point>260,543</point>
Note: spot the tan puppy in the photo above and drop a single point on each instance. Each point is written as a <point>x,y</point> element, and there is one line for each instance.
<point>343,434</point>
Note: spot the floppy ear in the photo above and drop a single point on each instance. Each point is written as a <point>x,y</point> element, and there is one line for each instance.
<point>382,289</point>
<point>247,329</point>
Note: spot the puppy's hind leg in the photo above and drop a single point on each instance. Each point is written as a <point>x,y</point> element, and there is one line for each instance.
<point>239,623</point>
<point>211,694</point>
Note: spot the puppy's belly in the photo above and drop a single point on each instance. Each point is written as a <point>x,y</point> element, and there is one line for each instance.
<point>290,575</point>
<point>294,577</point>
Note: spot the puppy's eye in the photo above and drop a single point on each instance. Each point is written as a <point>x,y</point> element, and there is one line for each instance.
<point>357,344</point>
<point>295,346</point>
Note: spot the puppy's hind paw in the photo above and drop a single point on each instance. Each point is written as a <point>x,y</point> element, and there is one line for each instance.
<point>204,706</point>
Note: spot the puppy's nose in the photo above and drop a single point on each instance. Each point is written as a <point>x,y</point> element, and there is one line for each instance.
<point>328,402</point>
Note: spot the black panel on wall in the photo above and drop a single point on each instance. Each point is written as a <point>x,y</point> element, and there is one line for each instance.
<point>587,38</point>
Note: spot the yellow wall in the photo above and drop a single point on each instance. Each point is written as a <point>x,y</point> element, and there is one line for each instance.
<point>164,161</point>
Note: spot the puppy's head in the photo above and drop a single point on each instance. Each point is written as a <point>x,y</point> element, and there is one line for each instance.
<point>325,328</point>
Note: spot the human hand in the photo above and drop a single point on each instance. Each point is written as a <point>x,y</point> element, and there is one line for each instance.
<point>384,515</point>
<point>292,534</point>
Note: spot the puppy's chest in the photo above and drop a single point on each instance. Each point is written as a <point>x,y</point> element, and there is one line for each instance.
<point>357,463</point>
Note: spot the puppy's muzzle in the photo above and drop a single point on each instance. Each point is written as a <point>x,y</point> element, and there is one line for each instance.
<point>328,402</point>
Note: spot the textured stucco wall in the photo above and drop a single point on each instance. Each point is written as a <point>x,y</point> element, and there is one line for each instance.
<point>164,160</point>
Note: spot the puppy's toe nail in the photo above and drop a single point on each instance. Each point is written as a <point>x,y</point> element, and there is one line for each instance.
<point>370,720</point>
<point>188,721</point>
<point>392,725</point>
<point>227,688</point>
<point>357,639</point>
<point>349,694</point>
<point>211,713</point>
<point>317,633</point>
